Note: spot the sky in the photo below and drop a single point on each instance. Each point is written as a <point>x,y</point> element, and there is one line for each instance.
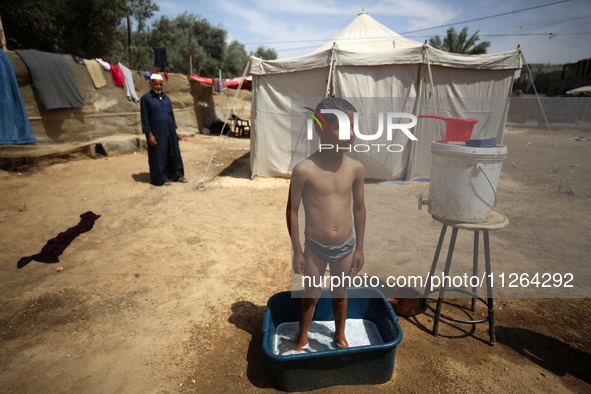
<point>547,34</point>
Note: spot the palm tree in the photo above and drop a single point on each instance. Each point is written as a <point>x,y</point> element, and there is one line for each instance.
<point>460,43</point>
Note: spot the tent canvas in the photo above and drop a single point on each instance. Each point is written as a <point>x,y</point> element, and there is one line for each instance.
<point>108,118</point>
<point>368,60</point>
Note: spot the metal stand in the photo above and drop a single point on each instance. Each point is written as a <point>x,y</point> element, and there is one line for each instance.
<point>496,221</point>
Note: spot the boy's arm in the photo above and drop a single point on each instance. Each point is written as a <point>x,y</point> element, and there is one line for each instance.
<point>359,218</point>
<point>295,197</point>
<point>288,211</point>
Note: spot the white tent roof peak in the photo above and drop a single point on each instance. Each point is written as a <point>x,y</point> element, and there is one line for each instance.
<point>365,34</point>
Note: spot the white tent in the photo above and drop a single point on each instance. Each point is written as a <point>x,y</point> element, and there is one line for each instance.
<point>368,60</point>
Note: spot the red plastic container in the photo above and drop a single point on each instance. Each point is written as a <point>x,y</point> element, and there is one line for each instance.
<point>456,129</point>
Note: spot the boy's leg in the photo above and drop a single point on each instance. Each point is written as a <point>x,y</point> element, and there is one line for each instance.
<point>340,269</point>
<point>315,270</point>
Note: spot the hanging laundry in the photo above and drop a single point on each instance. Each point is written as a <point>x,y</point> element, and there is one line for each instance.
<point>117,75</point>
<point>219,84</point>
<point>147,74</point>
<point>78,59</point>
<point>14,122</point>
<point>106,66</point>
<point>160,57</point>
<point>53,78</point>
<point>96,73</point>
<point>128,78</point>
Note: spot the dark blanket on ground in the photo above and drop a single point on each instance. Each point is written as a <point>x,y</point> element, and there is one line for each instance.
<point>56,246</point>
<point>14,122</point>
<point>53,78</point>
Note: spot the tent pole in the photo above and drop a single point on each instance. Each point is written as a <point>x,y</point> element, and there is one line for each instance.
<point>190,56</point>
<point>129,42</point>
<point>329,82</point>
<point>431,93</point>
<point>416,110</point>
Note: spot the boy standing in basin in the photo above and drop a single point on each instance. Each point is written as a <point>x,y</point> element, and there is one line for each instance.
<point>330,186</point>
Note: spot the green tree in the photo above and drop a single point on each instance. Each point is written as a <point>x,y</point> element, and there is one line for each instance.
<point>85,28</point>
<point>141,11</point>
<point>209,49</point>
<point>460,43</point>
<point>208,43</point>
<point>236,59</point>
<point>265,53</point>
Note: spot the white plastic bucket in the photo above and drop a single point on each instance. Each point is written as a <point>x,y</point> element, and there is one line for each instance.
<point>464,181</point>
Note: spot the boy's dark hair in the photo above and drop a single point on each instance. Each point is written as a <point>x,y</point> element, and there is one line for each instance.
<point>334,103</point>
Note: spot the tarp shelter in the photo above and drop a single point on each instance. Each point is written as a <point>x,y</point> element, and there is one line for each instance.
<point>108,117</point>
<point>231,83</point>
<point>368,60</point>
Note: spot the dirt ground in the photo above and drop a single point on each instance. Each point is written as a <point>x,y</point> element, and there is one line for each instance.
<point>168,291</point>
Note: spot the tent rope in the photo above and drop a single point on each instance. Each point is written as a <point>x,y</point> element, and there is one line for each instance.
<point>565,176</point>
<point>201,183</point>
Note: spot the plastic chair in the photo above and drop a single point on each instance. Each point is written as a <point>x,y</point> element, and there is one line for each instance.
<point>241,126</point>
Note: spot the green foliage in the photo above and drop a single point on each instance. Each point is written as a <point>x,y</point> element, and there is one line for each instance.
<point>98,28</point>
<point>236,59</point>
<point>265,53</point>
<point>460,43</point>
<point>142,10</point>
<point>84,28</point>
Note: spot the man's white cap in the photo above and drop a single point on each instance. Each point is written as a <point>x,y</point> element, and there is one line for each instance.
<point>156,76</point>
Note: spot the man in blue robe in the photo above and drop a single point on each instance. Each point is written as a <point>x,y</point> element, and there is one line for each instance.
<point>164,155</point>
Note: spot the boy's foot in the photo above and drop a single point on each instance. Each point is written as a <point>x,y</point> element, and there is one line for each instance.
<point>181,179</point>
<point>341,341</point>
<point>300,347</point>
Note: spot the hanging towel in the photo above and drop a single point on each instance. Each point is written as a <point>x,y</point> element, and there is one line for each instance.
<point>219,84</point>
<point>128,77</point>
<point>14,122</point>
<point>53,78</point>
<point>117,75</point>
<point>96,73</point>
<point>106,66</point>
<point>160,57</point>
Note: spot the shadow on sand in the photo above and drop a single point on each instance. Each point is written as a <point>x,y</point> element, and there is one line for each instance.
<point>249,317</point>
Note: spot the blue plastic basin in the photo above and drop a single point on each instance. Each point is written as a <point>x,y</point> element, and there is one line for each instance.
<point>360,365</point>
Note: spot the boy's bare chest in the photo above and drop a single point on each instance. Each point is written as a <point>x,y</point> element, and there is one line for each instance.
<point>329,183</point>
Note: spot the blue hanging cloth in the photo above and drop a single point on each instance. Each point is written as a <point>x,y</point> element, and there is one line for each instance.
<point>14,122</point>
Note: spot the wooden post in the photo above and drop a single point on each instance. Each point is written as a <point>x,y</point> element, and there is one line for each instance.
<point>190,56</point>
<point>129,42</point>
<point>2,37</point>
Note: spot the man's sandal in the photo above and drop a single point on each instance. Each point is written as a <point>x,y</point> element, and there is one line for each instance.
<point>181,179</point>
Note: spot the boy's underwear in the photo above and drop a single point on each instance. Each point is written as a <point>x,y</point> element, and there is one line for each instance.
<point>331,253</point>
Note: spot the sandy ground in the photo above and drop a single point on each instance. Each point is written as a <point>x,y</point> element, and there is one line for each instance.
<point>168,291</point>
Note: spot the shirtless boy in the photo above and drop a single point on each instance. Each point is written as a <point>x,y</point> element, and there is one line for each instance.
<point>325,183</point>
